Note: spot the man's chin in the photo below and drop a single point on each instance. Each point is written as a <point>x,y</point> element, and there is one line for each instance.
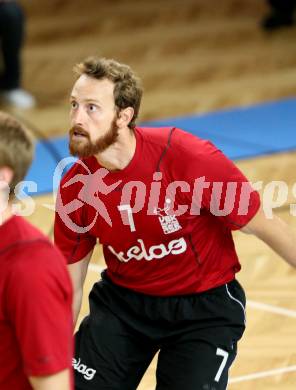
<point>80,153</point>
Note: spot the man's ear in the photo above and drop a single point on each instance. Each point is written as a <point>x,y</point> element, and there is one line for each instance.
<point>6,176</point>
<point>125,116</point>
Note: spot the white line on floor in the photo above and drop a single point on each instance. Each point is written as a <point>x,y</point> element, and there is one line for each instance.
<point>271,309</point>
<point>262,374</point>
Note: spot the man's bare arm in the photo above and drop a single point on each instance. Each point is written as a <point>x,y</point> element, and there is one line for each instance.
<point>78,273</point>
<point>275,233</point>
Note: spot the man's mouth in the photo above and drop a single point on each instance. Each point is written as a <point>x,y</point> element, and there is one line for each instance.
<point>79,133</point>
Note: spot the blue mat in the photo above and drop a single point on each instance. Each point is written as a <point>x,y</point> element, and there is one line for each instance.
<point>240,133</point>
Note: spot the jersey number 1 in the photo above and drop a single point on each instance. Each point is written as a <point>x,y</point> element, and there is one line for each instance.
<point>128,209</point>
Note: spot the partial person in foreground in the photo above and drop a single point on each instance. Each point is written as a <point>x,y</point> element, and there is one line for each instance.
<point>163,203</point>
<point>281,14</point>
<point>35,288</point>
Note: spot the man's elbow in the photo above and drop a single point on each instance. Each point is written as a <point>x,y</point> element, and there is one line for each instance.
<point>258,225</point>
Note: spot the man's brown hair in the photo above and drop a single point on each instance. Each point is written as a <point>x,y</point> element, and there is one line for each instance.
<point>16,148</point>
<point>127,86</point>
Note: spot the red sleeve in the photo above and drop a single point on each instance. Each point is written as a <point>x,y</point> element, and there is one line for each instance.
<point>230,196</point>
<point>40,309</point>
<point>73,244</point>
<point>71,233</point>
<point>227,193</point>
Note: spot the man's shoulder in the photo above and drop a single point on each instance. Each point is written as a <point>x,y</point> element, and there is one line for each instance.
<point>156,135</point>
<point>175,137</point>
<point>25,240</point>
<point>179,143</point>
<point>26,231</point>
<point>82,166</point>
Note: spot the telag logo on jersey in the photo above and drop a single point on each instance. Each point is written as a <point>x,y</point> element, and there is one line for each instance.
<point>88,373</point>
<point>139,252</point>
<point>169,223</point>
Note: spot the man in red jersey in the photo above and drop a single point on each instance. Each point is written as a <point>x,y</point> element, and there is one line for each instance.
<point>35,288</point>
<point>163,203</point>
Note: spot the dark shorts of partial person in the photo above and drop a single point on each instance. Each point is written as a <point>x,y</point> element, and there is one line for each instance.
<point>195,337</point>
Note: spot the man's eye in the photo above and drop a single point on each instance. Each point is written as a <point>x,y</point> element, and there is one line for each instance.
<point>74,105</point>
<point>92,107</point>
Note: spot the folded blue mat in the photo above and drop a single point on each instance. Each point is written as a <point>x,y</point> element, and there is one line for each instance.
<point>240,133</point>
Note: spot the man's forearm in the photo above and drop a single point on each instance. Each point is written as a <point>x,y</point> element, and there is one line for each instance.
<point>276,233</point>
<point>282,239</point>
<point>76,306</point>
<point>78,272</point>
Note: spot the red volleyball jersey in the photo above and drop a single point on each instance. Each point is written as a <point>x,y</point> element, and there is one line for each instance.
<point>165,220</point>
<point>35,306</point>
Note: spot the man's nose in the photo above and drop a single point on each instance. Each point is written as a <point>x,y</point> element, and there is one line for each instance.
<point>79,117</point>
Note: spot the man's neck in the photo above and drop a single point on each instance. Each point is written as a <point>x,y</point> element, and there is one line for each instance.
<point>119,155</point>
<point>6,213</point>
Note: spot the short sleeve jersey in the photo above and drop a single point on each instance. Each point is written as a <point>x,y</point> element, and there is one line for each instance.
<point>35,306</point>
<point>165,221</point>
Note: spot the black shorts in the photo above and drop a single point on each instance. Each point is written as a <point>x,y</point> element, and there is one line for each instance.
<point>196,337</point>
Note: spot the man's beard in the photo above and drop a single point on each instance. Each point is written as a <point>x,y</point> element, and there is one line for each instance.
<point>85,147</point>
